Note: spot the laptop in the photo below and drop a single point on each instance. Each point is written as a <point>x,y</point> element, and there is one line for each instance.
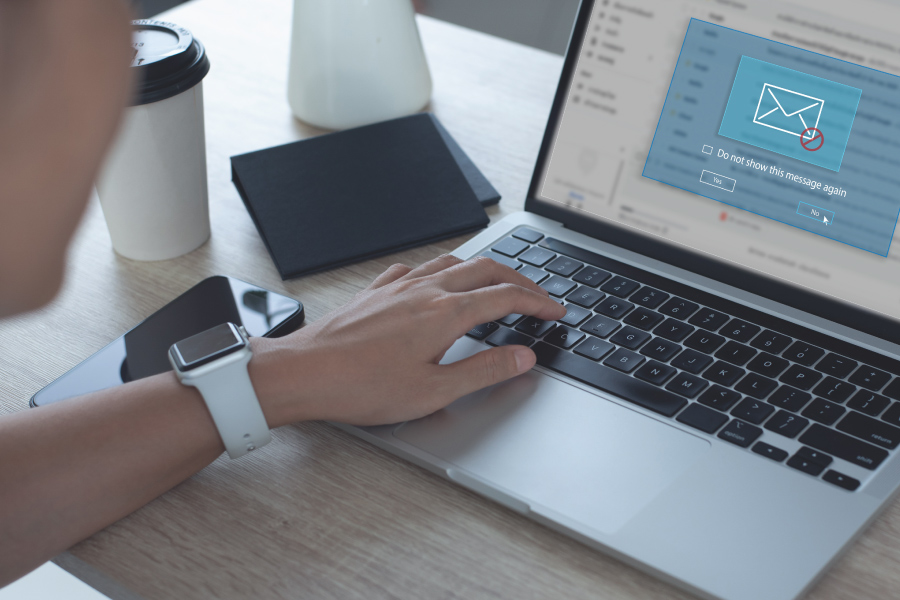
<point>715,203</point>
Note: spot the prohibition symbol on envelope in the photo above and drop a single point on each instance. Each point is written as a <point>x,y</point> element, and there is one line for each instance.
<point>788,111</point>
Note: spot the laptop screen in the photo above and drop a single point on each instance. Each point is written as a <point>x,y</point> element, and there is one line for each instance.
<point>764,135</point>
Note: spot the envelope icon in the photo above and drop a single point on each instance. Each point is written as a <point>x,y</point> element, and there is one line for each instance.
<point>788,111</point>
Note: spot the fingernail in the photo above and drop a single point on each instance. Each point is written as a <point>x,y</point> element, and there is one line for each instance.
<point>524,360</point>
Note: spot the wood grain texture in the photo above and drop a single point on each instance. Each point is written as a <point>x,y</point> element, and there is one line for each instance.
<point>318,513</point>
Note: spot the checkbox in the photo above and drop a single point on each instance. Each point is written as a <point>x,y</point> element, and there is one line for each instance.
<point>707,149</point>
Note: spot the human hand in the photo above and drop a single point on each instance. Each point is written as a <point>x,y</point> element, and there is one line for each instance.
<point>376,360</point>
<point>64,83</point>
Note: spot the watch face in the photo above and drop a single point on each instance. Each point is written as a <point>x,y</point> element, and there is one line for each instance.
<point>208,346</point>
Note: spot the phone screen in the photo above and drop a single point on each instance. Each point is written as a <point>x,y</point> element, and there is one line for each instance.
<point>143,351</point>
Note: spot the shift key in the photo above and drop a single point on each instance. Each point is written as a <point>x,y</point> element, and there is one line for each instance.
<point>843,446</point>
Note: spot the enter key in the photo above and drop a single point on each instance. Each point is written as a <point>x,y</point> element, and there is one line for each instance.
<point>870,430</point>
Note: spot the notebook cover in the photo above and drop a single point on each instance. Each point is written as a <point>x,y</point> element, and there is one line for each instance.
<point>356,194</point>
<point>487,194</point>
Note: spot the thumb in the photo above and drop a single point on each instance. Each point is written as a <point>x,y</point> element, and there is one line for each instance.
<point>487,368</point>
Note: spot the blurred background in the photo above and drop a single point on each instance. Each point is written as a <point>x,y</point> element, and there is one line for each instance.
<point>543,24</point>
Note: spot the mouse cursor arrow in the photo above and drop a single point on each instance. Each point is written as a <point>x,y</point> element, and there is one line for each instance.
<point>825,220</point>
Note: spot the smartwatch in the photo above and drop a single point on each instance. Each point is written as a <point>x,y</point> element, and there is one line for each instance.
<point>215,362</point>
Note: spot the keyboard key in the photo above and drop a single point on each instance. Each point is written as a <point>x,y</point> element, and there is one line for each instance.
<point>814,456</point>
<point>893,389</point>
<point>629,337</point>
<point>709,319</point>
<point>673,329</point>
<point>803,353</point>
<point>834,389</point>
<point>600,326</point>
<point>843,446</point>
<point>529,235</point>
<point>613,307</point>
<point>624,360</point>
<point>702,418</point>
<point>800,377</point>
<point>655,372</point>
<point>807,466</point>
<point>592,276</point>
<point>479,332</point>
<point>534,326</point>
<point>870,378</point>
<point>892,415</point>
<point>724,373</point>
<point>564,266</point>
<point>686,385</point>
<point>593,348</point>
<point>823,411</point>
<point>648,297</point>
<point>868,403</point>
<point>771,342</point>
<point>736,354</point>
<point>564,337</point>
<point>841,480</point>
<point>503,260</point>
<point>740,433</point>
<point>719,398</point>
<point>756,386</point>
<point>836,365</point>
<point>510,247</point>
<point>768,365</point>
<point>585,296</point>
<point>536,275</point>
<point>575,315</point>
<point>628,388</point>
<point>557,286</point>
<point>643,318</point>
<point>660,349</point>
<point>870,430</point>
<point>679,308</point>
<point>764,449</point>
<point>740,331</point>
<point>692,361</point>
<point>620,286</point>
<point>510,320</point>
<point>509,337</point>
<point>789,398</point>
<point>704,341</point>
<point>786,424</point>
<point>753,411</point>
<point>537,256</point>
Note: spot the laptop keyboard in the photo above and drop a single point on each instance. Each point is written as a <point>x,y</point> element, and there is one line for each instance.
<point>709,363</point>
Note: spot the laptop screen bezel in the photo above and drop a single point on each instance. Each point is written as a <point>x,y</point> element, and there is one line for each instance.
<point>837,311</point>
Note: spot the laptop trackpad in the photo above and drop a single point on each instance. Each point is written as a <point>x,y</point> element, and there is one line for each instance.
<point>554,445</point>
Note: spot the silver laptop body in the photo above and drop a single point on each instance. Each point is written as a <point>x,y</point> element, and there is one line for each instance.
<point>690,507</point>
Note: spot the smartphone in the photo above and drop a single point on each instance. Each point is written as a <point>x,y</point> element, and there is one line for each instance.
<point>143,351</point>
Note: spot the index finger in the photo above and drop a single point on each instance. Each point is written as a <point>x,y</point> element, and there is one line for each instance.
<point>495,302</point>
<point>481,272</point>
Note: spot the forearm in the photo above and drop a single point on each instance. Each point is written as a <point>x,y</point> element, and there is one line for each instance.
<point>70,469</point>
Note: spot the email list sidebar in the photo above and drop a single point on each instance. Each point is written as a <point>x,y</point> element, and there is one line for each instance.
<point>792,128</point>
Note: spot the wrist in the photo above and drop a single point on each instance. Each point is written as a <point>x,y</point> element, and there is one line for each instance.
<point>281,377</point>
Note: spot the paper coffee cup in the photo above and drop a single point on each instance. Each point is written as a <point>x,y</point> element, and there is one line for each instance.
<point>152,187</point>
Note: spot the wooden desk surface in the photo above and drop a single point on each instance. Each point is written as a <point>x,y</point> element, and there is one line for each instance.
<point>317,513</point>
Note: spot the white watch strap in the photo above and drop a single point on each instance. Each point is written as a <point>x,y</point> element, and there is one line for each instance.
<point>234,407</point>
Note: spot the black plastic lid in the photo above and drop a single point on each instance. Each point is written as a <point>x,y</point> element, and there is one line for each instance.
<point>168,60</point>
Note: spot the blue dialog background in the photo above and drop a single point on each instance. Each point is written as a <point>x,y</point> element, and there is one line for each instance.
<point>695,110</point>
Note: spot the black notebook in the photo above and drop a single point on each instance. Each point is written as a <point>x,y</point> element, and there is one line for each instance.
<point>357,194</point>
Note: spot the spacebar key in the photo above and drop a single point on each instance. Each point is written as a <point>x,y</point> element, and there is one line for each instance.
<point>608,380</point>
